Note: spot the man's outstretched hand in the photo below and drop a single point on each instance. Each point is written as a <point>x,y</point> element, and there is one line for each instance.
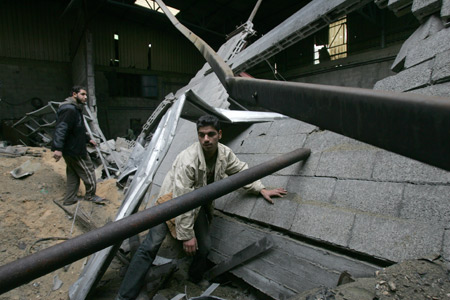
<point>268,194</point>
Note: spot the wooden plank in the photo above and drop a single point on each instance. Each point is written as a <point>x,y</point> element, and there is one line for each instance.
<point>289,268</point>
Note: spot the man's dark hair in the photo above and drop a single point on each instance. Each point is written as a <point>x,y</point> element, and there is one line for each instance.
<point>77,88</point>
<point>208,120</point>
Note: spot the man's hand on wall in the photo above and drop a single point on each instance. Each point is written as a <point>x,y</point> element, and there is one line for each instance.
<point>268,194</point>
<point>190,246</point>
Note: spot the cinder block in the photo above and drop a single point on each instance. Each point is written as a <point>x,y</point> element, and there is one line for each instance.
<point>286,143</point>
<point>446,248</point>
<point>312,189</point>
<point>442,90</point>
<point>430,27</point>
<point>325,223</point>
<point>382,198</point>
<point>394,167</point>
<point>445,12</point>
<point>395,239</point>
<point>426,203</point>
<point>412,78</point>
<point>239,203</point>
<point>349,163</point>
<point>329,141</point>
<point>441,67</point>
<point>259,129</point>
<point>428,48</point>
<point>254,145</point>
<point>424,8</point>
<point>289,127</point>
<point>280,214</point>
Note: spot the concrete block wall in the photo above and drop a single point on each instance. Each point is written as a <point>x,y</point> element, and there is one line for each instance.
<point>423,62</point>
<point>23,80</point>
<point>347,194</point>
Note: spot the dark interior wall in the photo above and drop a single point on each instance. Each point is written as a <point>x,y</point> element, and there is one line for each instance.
<point>374,28</point>
<point>26,85</point>
<point>126,97</point>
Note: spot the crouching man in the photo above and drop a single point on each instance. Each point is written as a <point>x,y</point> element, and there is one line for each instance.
<point>200,164</point>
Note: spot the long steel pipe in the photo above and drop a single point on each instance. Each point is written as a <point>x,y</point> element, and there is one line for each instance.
<point>416,126</point>
<point>33,266</point>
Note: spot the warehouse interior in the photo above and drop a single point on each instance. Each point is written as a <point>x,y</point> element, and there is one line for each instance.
<point>358,210</point>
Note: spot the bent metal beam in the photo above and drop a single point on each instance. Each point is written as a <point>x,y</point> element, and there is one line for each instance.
<point>412,125</point>
<point>33,266</point>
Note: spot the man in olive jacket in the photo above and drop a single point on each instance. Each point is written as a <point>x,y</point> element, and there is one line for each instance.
<point>200,164</point>
<point>69,142</point>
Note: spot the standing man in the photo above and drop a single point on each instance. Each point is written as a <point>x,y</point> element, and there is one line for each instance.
<point>200,164</point>
<point>69,142</point>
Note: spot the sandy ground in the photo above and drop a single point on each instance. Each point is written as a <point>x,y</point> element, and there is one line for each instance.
<point>29,215</point>
<point>30,221</point>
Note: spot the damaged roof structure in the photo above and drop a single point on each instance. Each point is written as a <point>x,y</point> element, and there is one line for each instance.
<point>352,206</point>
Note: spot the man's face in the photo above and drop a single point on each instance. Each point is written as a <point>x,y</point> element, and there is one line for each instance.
<point>81,96</point>
<point>209,137</point>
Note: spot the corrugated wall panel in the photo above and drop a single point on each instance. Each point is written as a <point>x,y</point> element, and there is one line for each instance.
<point>32,30</point>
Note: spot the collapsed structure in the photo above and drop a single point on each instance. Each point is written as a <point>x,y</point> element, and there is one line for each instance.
<point>349,198</point>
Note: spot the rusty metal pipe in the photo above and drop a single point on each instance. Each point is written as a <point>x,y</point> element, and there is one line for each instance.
<point>33,266</point>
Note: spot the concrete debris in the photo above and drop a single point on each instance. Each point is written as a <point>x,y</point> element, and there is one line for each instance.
<point>57,283</point>
<point>26,169</point>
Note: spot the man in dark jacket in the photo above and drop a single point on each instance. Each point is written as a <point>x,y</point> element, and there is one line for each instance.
<point>69,142</point>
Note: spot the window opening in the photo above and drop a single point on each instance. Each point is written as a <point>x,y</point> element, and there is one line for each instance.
<point>338,39</point>
<point>336,46</point>
<point>115,61</point>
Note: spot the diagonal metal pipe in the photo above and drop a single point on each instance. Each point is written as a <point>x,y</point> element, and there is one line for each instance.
<point>33,266</point>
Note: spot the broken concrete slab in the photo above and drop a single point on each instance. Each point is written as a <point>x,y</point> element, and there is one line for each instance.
<point>312,189</point>
<point>400,7</point>
<point>442,90</point>
<point>446,248</point>
<point>441,67</point>
<point>430,27</point>
<point>423,8</point>
<point>395,239</point>
<point>410,79</point>
<point>428,48</point>
<point>445,12</point>
<point>349,163</point>
<point>393,167</point>
<point>369,196</point>
<point>426,203</point>
<point>281,214</point>
<point>324,223</point>
<point>286,143</point>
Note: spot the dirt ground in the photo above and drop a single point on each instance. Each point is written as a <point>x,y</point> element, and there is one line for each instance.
<point>30,221</point>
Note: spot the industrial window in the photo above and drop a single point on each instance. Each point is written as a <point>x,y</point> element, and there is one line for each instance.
<point>115,61</point>
<point>151,4</point>
<point>336,46</point>
<point>338,39</point>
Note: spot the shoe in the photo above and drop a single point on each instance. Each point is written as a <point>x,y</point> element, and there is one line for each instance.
<point>96,199</point>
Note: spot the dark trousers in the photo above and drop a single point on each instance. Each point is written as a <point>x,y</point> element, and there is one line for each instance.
<point>146,253</point>
<point>79,167</point>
